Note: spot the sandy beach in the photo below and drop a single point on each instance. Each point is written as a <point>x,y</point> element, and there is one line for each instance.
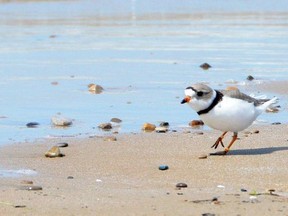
<point>122,177</point>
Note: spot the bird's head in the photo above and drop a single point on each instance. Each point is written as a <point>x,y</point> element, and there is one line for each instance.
<point>198,96</point>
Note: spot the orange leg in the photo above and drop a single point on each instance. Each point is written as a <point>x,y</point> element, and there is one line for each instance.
<point>219,140</point>
<point>231,143</point>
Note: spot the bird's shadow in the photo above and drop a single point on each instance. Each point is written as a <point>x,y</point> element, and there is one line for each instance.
<point>258,151</point>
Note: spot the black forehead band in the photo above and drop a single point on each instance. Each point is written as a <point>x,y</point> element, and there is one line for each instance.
<point>192,89</point>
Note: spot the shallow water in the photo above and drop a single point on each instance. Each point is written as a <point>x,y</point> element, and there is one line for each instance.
<point>143,53</point>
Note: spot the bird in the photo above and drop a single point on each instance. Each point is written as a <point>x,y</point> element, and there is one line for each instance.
<point>225,110</point>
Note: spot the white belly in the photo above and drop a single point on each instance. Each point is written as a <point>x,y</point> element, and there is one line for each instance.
<point>231,115</point>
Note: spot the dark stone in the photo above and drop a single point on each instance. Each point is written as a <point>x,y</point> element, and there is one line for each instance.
<point>181,185</point>
<point>32,124</point>
<point>243,190</point>
<point>116,120</point>
<point>163,167</point>
<point>250,78</point>
<point>105,126</point>
<point>208,214</point>
<point>70,177</point>
<point>62,145</point>
<point>164,124</point>
<point>31,188</point>
<point>205,66</point>
<point>276,123</point>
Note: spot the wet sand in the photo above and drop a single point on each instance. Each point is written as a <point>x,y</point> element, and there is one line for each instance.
<point>98,177</point>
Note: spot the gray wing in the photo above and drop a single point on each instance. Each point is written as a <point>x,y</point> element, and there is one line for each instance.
<point>239,95</point>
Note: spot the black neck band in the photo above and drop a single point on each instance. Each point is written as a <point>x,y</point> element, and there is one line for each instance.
<point>216,100</point>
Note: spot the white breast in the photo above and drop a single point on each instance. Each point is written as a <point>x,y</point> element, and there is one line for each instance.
<point>231,115</point>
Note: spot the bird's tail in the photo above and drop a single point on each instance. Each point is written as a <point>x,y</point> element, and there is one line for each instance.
<point>269,103</point>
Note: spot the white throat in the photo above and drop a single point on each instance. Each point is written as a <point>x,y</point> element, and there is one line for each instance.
<point>199,104</point>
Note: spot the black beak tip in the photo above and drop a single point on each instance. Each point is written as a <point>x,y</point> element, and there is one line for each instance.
<point>183,101</point>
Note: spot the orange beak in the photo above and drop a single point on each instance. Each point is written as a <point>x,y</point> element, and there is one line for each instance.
<point>186,100</point>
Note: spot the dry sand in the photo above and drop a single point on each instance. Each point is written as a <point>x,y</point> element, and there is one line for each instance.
<point>122,177</point>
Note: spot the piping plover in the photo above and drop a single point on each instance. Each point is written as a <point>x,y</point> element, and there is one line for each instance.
<point>225,110</point>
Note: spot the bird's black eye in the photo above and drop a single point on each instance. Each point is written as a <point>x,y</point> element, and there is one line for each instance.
<point>200,93</point>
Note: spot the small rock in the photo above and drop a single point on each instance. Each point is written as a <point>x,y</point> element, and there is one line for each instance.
<point>243,190</point>
<point>20,206</point>
<point>95,89</point>
<point>116,120</point>
<point>256,131</point>
<point>250,78</point>
<point>62,145</point>
<point>161,129</point>
<point>61,121</point>
<point>32,124</point>
<point>54,83</point>
<point>163,167</point>
<point>27,182</point>
<point>205,66</point>
<point>31,188</point>
<point>208,214</point>
<point>203,156</point>
<point>220,186</point>
<point>105,126</point>
<point>196,123</point>
<point>272,110</point>
<point>110,138</point>
<point>70,177</point>
<point>54,152</point>
<point>276,123</point>
<point>164,124</point>
<point>181,185</point>
<point>271,191</point>
<point>148,127</point>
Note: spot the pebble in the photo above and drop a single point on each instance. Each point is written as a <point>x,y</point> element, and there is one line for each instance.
<point>203,156</point>
<point>164,124</point>
<point>161,129</point>
<point>110,138</point>
<point>116,120</point>
<point>148,127</point>
<point>62,145</point>
<point>205,66</point>
<point>31,188</point>
<point>105,126</point>
<point>70,177</point>
<point>54,152</point>
<point>181,185</point>
<point>27,182</point>
<point>54,83</point>
<point>243,190</point>
<point>196,123</point>
<point>256,131</point>
<point>276,123</point>
<point>95,89</point>
<point>272,110</point>
<point>208,214</point>
<point>250,78</point>
<point>61,121</point>
<point>32,124</point>
<point>163,167</point>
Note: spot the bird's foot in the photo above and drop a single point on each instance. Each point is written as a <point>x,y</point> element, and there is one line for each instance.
<point>220,152</point>
<point>218,141</point>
